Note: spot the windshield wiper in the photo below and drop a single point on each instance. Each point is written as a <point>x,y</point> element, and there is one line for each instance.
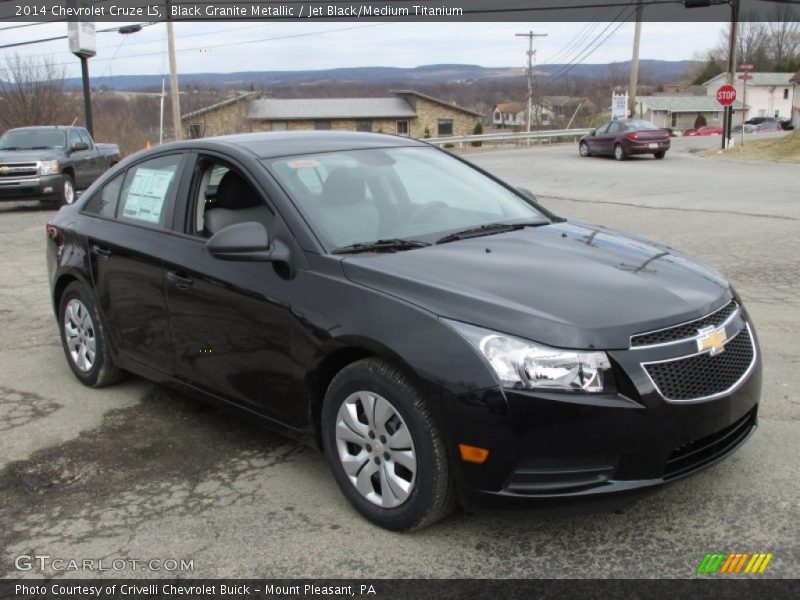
<point>38,148</point>
<point>391,245</point>
<point>10,148</point>
<point>488,229</point>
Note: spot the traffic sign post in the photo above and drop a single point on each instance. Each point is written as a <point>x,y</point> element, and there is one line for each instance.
<point>745,77</point>
<point>726,96</point>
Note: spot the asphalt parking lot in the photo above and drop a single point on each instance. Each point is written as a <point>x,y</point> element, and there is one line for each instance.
<point>136,471</point>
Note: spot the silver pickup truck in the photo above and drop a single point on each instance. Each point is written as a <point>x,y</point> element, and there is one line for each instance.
<point>51,163</point>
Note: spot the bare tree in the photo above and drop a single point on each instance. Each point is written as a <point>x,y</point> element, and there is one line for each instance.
<point>32,92</point>
<point>784,34</point>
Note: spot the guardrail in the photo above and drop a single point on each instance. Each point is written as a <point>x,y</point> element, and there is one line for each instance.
<point>515,137</point>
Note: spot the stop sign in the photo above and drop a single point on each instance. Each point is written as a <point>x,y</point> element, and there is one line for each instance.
<point>726,95</point>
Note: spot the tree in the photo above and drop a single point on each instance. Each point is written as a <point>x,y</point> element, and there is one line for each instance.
<point>32,92</point>
<point>700,121</point>
<point>477,130</point>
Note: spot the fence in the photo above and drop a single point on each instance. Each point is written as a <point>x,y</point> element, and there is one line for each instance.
<point>516,138</point>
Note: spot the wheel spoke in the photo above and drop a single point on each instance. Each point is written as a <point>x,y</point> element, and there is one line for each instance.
<point>353,464</point>
<point>345,433</point>
<point>349,415</point>
<point>400,487</point>
<point>383,412</point>
<point>388,495</point>
<point>368,404</point>
<point>405,458</point>
<point>364,480</point>
<point>401,439</point>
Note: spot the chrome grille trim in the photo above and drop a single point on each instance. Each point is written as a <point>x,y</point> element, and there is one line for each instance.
<point>737,310</point>
<point>716,395</point>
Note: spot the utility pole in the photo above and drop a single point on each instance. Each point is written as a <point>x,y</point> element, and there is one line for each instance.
<point>529,72</point>
<point>637,36</point>
<point>173,75</point>
<point>727,126</point>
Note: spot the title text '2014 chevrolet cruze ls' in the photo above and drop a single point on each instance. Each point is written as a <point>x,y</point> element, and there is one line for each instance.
<point>441,335</point>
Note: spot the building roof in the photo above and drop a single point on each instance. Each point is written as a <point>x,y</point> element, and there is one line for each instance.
<point>684,103</point>
<point>766,79</point>
<point>222,104</point>
<point>511,107</point>
<point>436,100</point>
<point>282,109</point>
<point>796,78</point>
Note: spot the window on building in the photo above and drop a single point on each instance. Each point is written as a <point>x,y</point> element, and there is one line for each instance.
<point>402,128</point>
<point>322,125</point>
<point>445,127</point>
<point>674,119</point>
<point>280,126</point>
<point>195,131</point>
<point>364,126</point>
<point>785,93</point>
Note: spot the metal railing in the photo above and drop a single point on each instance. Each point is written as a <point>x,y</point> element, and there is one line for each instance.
<point>516,138</point>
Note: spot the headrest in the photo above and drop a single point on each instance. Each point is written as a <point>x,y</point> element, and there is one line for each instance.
<point>233,192</point>
<point>344,186</point>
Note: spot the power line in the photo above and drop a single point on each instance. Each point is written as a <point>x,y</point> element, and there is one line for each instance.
<point>60,37</point>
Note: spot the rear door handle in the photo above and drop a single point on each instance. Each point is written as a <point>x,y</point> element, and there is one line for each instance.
<point>101,252</point>
<point>181,281</point>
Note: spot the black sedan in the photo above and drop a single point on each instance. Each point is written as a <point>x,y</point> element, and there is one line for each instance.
<point>441,335</point>
<point>625,137</point>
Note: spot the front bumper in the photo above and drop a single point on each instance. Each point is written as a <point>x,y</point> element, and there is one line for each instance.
<point>42,187</point>
<point>569,447</point>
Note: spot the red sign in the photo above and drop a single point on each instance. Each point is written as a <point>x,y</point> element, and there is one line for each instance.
<point>747,67</point>
<point>745,77</point>
<point>726,95</point>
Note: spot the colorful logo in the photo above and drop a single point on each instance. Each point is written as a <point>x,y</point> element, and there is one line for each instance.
<point>734,563</point>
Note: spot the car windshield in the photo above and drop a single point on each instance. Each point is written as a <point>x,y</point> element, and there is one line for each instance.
<point>33,138</point>
<point>639,125</point>
<point>408,193</point>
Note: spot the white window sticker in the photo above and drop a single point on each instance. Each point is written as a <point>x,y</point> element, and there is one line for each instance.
<point>147,193</point>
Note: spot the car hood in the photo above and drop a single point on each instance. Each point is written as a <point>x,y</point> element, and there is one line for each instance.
<point>29,155</point>
<point>569,285</point>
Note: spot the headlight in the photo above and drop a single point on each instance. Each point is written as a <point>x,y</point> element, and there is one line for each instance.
<point>520,364</point>
<point>49,167</point>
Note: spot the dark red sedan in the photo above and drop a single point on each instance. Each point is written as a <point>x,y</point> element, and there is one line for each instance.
<point>624,137</point>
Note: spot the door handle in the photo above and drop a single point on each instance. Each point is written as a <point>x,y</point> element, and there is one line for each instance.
<point>181,281</point>
<point>101,252</point>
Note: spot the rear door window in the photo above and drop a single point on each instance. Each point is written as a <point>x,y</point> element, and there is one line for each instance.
<point>149,191</point>
<point>104,202</point>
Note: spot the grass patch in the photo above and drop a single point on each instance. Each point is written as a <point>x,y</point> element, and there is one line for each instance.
<point>780,149</point>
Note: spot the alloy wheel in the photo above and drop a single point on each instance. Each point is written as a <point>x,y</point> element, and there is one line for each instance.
<point>375,449</point>
<point>80,337</point>
<point>69,192</point>
<point>583,149</point>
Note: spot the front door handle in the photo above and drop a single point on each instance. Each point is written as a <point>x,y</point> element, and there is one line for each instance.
<point>181,281</point>
<point>101,252</point>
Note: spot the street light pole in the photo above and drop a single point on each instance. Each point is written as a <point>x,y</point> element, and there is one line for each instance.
<point>87,94</point>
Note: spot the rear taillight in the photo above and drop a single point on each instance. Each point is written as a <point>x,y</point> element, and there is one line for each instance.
<point>633,136</point>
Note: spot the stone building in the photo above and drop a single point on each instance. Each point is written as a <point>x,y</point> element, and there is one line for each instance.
<point>405,112</point>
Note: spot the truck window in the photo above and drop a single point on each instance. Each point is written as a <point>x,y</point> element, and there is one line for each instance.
<point>85,137</point>
<point>74,138</point>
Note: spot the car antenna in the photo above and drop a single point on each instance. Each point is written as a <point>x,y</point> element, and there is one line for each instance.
<point>75,120</point>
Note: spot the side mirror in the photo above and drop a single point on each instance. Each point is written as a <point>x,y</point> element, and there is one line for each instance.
<point>527,193</point>
<point>247,242</point>
<point>593,132</point>
<point>79,147</point>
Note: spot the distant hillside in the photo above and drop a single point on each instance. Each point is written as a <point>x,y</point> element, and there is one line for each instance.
<point>660,71</point>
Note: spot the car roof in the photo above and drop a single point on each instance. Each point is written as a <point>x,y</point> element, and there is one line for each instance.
<point>275,144</point>
<point>46,127</point>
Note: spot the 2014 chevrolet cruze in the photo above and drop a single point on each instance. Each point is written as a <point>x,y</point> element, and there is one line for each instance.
<point>441,335</point>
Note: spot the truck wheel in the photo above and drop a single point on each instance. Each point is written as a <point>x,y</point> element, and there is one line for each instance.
<point>387,453</point>
<point>68,194</point>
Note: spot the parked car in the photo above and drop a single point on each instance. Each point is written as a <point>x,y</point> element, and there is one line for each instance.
<point>624,137</point>
<point>51,163</point>
<point>786,124</point>
<point>705,130</point>
<point>438,332</point>
<point>748,128</point>
<point>770,125</point>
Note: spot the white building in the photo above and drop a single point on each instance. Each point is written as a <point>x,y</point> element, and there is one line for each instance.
<point>768,94</point>
<point>680,112</point>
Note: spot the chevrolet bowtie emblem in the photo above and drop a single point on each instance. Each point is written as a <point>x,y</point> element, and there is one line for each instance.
<point>711,339</point>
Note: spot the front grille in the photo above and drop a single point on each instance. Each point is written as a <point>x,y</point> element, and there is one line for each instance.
<point>684,330</point>
<point>698,453</point>
<point>703,375</point>
<point>11,170</point>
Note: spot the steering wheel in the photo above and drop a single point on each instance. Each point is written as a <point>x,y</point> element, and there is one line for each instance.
<point>426,211</point>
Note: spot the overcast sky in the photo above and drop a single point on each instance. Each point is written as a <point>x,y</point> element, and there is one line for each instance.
<point>207,47</point>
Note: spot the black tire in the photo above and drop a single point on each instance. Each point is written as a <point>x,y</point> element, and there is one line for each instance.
<point>432,496</point>
<point>583,149</point>
<point>619,152</point>
<point>103,371</point>
<point>660,155</point>
<point>68,193</point>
